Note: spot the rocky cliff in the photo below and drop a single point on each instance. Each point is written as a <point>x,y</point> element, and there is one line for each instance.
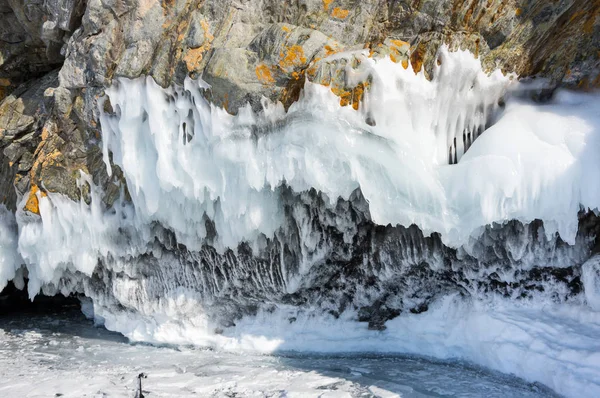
<point>316,169</point>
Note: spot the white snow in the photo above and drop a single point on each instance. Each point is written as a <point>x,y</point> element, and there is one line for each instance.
<point>556,345</point>
<point>63,355</point>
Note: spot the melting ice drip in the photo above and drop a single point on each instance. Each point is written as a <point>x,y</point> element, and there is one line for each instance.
<point>245,231</point>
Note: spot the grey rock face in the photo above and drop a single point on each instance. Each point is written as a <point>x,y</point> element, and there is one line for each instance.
<point>66,14</point>
<point>22,114</point>
<point>32,36</point>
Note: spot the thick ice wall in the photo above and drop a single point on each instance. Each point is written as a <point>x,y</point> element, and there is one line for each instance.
<point>76,237</point>
<point>289,199</point>
<point>324,259</point>
<point>184,159</point>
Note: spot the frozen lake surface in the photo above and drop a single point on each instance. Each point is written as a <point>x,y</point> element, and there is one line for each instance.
<point>64,354</point>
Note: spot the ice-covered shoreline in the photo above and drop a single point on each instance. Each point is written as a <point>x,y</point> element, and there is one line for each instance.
<point>303,230</point>
<point>42,355</point>
<point>556,345</point>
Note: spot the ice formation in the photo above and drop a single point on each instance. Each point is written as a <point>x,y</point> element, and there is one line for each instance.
<point>180,155</point>
<point>10,260</point>
<point>435,204</point>
<point>591,281</point>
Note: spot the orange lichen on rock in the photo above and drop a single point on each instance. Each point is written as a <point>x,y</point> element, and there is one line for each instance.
<point>396,48</point>
<point>44,160</point>
<point>417,63</point>
<point>518,11</point>
<point>351,97</point>
<point>181,30</point>
<point>45,133</point>
<point>357,95</point>
<point>264,75</point>
<point>292,57</point>
<point>207,35</point>
<point>46,154</point>
<point>416,57</point>
<point>32,205</point>
<point>194,56</point>
<point>470,12</point>
<point>286,29</point>
<point>330,50</point>
<point>291,92</point>
<point>326,4</point>
<point>373,50</point>
<point>339,13</point>
<point>343,94</point>
<point>312,71</point>
<point>399,43</point>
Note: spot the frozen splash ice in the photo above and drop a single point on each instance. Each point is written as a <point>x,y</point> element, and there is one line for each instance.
<point>75,236</point>
<point>556,345</point>
<point>185,159</point>
<point>590,271</point>
<point>190,166</point>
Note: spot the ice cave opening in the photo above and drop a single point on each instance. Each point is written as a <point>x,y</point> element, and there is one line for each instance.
<point>15,300</point>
